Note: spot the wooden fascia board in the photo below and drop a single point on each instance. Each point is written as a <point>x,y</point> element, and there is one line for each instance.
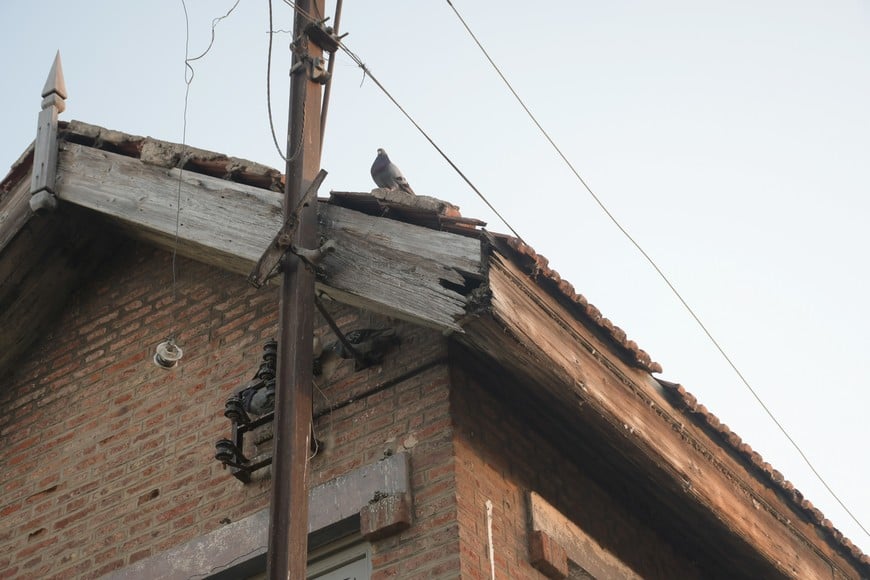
<point>390,267</point>
<point>541,342</point>
<point>15,210</point>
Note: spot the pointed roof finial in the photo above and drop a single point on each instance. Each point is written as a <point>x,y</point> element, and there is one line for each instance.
<point>54,91</point>
<point>44,173</point>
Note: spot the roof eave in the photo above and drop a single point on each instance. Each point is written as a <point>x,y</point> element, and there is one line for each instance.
<point>534,335</point>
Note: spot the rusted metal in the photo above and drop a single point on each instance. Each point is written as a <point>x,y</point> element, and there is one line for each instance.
<point>268,264</point>
<point>367,346</point>
<point>234,410</point>
<point>325,37</point>
<point>230,451</point>
<point>327,88</point>
<point>238,409</point>
<point>288,523</point>
<point>336,330</point>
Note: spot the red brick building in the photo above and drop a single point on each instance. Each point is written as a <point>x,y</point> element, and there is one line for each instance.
<point>507,430</point>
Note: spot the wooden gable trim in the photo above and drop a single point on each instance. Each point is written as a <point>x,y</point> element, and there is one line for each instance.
<point>532,336</point>
<point>382,265</point>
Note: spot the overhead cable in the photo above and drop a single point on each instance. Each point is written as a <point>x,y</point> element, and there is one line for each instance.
<point>658,270</point>
<point>368,73</point>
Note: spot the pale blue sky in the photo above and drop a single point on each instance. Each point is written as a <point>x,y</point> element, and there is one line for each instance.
<point>731,139</point>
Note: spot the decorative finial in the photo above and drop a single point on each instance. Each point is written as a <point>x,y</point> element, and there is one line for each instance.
<point>44,172</point>
<point>54,91</point>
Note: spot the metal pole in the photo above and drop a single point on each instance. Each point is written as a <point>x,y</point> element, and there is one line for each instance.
<point>288,524</point>
<point>327,89</point>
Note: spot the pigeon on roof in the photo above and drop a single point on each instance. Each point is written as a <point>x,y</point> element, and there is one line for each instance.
<point>386,174</point>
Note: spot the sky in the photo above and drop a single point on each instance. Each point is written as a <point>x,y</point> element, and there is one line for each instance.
<point>731,140</point>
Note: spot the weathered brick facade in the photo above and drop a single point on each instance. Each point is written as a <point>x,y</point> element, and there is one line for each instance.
<point>500,458</point>
<point>108,459</point>
<point>514,431</point>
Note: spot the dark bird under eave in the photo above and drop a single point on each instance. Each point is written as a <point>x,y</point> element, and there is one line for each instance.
<point>386,174</point>
<point>368,346</point>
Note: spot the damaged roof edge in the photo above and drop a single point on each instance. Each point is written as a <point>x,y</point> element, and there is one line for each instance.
<point>538,267</point>
<point>701,416</point>
<point>443,217</point>
<point>166,154</point>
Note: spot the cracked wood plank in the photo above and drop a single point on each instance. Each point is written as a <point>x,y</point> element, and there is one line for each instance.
<point>383,265</point>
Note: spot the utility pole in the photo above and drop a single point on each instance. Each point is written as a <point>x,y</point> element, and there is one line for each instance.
<point>288,523</point>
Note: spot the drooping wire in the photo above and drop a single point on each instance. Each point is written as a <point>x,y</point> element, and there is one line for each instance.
<point>269,94</point>
<point>269,86</point>
<point>330,71</point>
<point>719,348</point>
<point>214,24</point>
<point>368,73</point>
<point>188,80</point>
<point>658,270</point>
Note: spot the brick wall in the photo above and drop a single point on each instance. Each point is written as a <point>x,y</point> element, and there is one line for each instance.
<point>500,458</point>
<point>108,459</point>
<point>402,405</point>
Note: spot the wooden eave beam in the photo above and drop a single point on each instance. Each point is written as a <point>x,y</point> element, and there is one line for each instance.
<point>527,332</point>
<point>382,265</point>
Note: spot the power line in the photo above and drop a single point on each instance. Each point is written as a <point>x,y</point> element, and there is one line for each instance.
<point>658,270</point>
<point>368,73</point>
<point>188,80</point>
<point>269,91</point>
<point>272,32</point>
<point>214,23</point>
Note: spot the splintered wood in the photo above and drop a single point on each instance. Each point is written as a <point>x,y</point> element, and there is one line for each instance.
<point>386,266</point>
